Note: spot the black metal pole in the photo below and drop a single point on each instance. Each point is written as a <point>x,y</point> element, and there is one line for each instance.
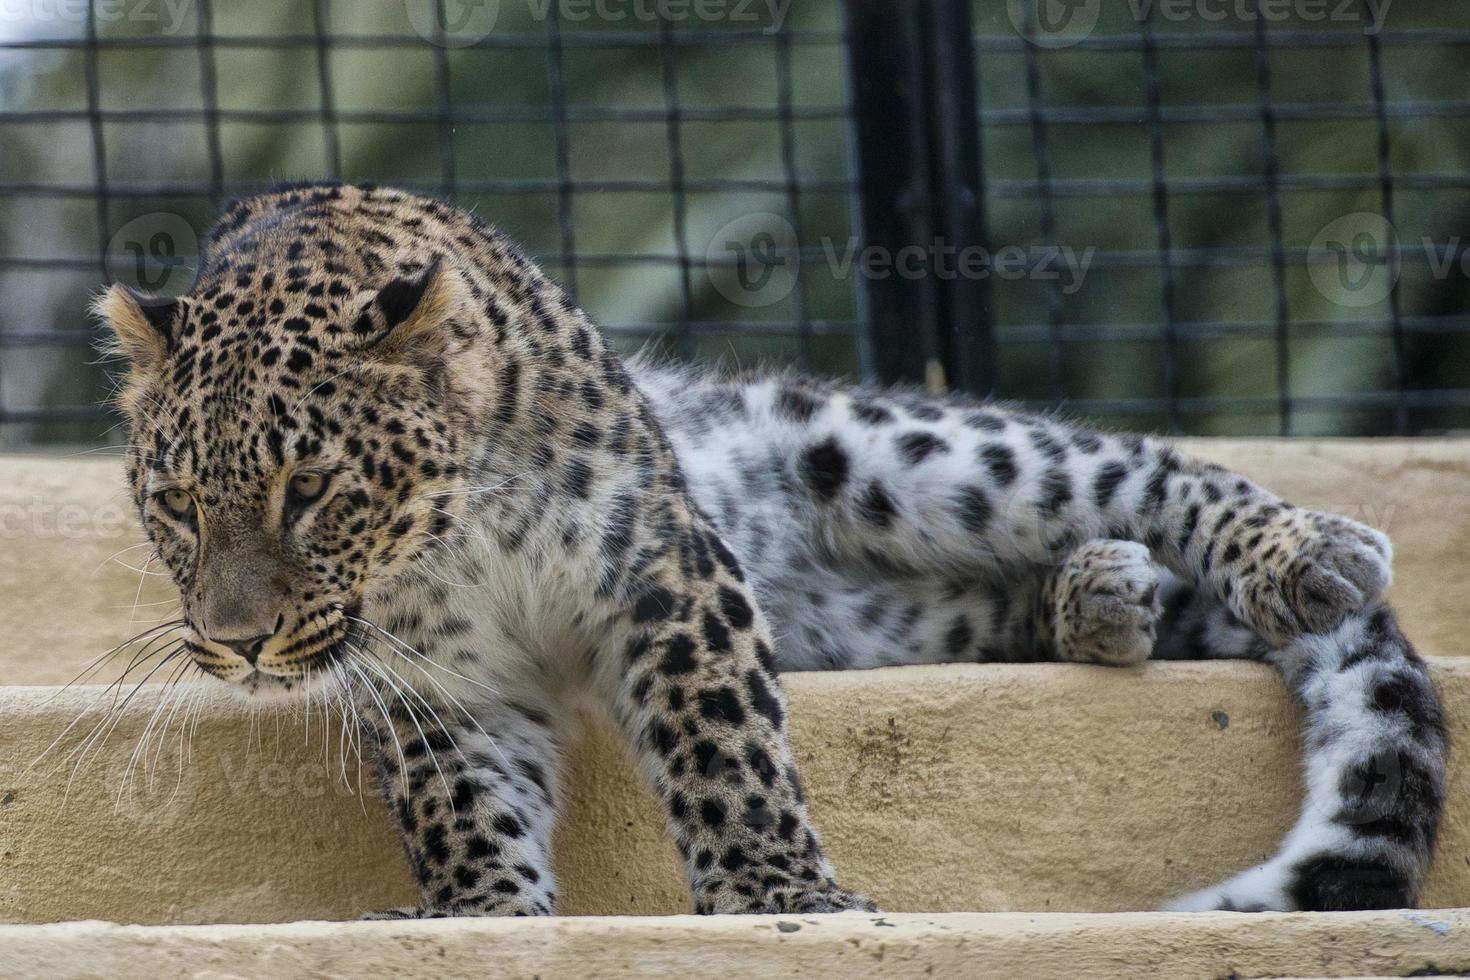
<point>916,116</point>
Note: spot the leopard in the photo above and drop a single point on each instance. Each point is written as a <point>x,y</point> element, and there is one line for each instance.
<point>383,455</point>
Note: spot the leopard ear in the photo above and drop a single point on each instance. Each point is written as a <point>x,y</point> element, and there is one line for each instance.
<point>142,325</point>
<point>416,317</point>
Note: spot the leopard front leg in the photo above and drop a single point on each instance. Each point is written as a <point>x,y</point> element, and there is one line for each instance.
<point>1101,605</point>
<point>1284,571</point>
<point>475,800</point>
<point>692,684</point>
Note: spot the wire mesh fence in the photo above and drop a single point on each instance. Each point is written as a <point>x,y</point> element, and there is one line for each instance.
<point>1336,266</point>
<point>1196,216</point>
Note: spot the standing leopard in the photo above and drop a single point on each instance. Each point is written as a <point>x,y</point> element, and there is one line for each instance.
<point>382,454</point>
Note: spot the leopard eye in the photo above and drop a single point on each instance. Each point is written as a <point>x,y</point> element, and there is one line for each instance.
<point>307,487</point>
<point>178,502</point>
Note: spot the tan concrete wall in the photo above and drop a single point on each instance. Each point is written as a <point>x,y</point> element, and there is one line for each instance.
<point>66,592</point>
<point>850,946</point>
<point>951,788</point>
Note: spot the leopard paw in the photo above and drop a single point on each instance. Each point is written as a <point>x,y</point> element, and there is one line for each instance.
<point>821,900</point>
<point>1105,604</point>
<point>1304,572</point>
<point>777,901</point>
<point>747,895</point>
<point>462,909</point>
<point>396,914</point>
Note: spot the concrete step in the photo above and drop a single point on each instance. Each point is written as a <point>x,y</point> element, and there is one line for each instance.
<point>1029,792</point>
<point>852,946</point>
<point>950,790</point>
<point>938,789</point>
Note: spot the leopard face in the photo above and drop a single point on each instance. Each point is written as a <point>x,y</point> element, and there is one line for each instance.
<point>295,444</point>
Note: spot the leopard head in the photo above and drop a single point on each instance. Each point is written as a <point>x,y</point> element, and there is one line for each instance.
<point>295,443</point>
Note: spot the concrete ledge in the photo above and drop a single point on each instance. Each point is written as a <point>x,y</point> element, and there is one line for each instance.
<point>71,530</point>
<point>850,945</point>
<point>938,789</point>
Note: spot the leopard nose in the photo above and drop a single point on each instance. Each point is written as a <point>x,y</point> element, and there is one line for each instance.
<point>248,648</point>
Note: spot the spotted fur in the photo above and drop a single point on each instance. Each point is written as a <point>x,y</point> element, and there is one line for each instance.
<point>382,453</point>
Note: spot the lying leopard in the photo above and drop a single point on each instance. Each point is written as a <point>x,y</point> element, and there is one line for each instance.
<point>381,452</point>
